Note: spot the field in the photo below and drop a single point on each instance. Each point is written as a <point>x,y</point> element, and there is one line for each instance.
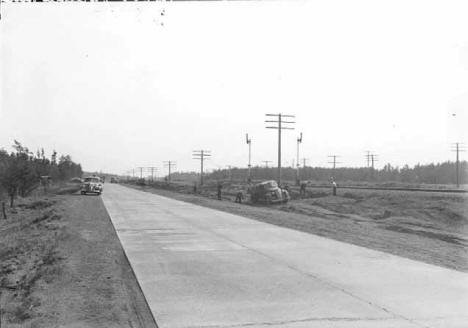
<point>424,226</point>
<point>62,265</point>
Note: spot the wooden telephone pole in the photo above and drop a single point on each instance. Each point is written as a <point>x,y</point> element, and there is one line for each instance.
<point>169,165</point>
<point>281,125</point>
<point>201,155</point>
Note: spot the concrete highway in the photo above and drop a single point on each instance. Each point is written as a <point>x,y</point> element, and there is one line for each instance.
<point>199,267</point>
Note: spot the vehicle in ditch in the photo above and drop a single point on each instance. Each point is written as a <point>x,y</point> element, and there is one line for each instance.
<point>268,192</point>
<point>91,185</point>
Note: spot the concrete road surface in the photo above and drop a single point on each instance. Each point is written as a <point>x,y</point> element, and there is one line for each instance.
<point>200,267</point>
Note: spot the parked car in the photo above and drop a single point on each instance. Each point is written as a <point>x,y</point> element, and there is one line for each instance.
<point>268,192</point>
<point>114,180</point>
<point>91,185</point>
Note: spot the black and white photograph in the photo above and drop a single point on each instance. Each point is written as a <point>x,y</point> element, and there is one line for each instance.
<point>234,164</point>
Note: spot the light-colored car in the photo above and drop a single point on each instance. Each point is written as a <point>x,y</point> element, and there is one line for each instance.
<point>91,185</point>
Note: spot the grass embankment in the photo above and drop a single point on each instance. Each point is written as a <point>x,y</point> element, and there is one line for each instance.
<point>62,265</point>
<point>428,227</point>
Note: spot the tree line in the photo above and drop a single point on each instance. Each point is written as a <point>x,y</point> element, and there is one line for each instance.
<point>439,173</point>
<point>21,171</point>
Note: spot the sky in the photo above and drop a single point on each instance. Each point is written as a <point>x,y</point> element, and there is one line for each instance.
<point>124,85</point>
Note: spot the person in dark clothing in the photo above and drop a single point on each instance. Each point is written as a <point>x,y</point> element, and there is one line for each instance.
<point>302,191</point>
<point>239,197</point>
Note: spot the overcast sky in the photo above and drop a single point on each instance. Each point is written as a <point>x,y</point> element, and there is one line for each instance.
<point>123,85</point>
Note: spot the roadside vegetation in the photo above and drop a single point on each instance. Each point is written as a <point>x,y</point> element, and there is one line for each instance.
<point>22,171</point>
<point>61,263</point>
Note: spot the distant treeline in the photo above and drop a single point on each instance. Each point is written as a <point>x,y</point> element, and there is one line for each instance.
<point>440,173</point>
<point>21,170</point>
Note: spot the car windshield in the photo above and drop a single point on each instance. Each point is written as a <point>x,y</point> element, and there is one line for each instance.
<point>91,179</point>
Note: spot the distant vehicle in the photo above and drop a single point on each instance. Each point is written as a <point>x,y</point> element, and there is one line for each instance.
<point>268,192</point>
<point>91,185</point>
<point>114,180</point>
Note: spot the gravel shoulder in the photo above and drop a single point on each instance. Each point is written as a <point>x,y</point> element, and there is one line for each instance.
<point>431,228</point>
<point>62,265</point>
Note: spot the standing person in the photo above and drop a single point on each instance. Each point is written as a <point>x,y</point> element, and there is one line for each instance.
<point>239,197</point>
<point>220,186</point>
<point>334,185</point>
<point>302,191</point>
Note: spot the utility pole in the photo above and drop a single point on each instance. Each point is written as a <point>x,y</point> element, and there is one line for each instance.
<point>141,172</point>
<point>458,147</point>
<point>153,170</point>
<point>249,142</point>
<point>279,120</point>
<point>201,155</point>
<point>368,156</point>
<point>373,158</point>
<point>299,141</point>
<point>169,165</point>
<point>266,163</point>
<point>334,162</point>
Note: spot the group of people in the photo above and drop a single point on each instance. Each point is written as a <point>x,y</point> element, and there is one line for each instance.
<point>240,194</point>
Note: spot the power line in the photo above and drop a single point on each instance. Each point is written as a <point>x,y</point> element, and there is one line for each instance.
<point>458,147</point>
<point>279,120</point>
<point>201,155</point>
<point>169,165</point>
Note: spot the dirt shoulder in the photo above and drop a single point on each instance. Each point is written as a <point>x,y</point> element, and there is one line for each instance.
<point>420,226</point>
<point>62,265</point>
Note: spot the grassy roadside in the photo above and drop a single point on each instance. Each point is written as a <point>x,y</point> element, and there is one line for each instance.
<point>62,265</point>
<point>419,226</point>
